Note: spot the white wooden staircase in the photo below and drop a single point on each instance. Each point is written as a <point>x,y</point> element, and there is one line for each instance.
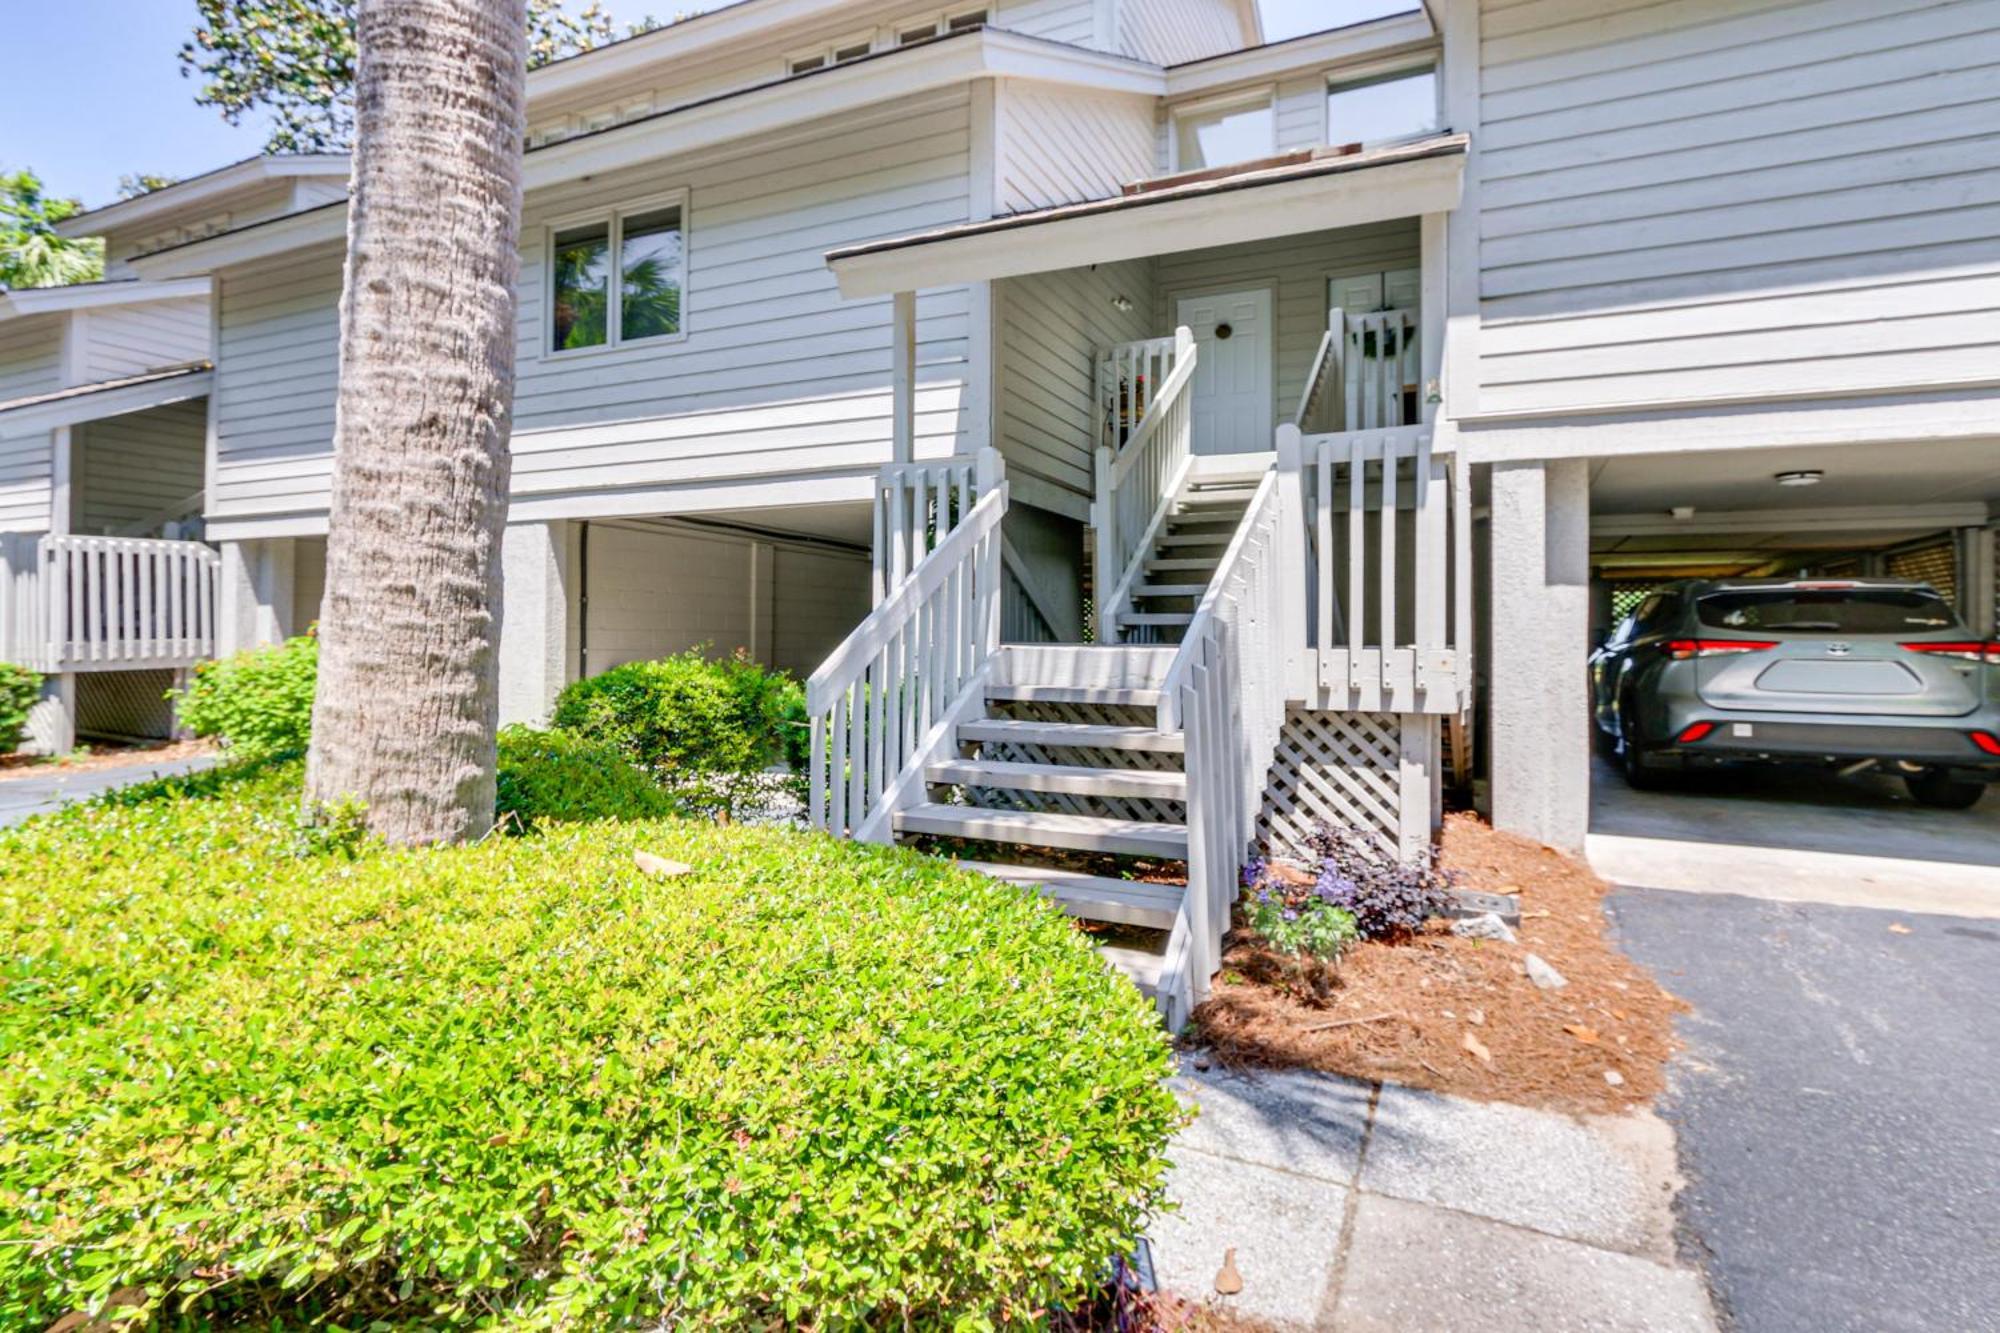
<point>1184,551</point>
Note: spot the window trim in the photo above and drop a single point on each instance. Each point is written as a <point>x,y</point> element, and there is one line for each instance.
<point>939,22</point>
<point>872,37</point>
<point>1262,95</point>
<point>614,221</point>
<point>1382,71</point>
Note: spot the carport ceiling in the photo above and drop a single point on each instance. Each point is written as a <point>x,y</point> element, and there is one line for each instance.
<point>1918,473</point>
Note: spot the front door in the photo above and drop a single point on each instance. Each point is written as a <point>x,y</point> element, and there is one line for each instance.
<point>1233,388</point>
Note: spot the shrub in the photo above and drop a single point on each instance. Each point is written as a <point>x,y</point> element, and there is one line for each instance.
<point>522,1084</point>
<point>707,728</point>
<point>1389,897</point>
<point>19,689</point>
<point>549,777</point>
<point>259,702</point>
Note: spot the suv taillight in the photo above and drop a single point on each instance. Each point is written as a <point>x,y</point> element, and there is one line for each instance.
<point>1682,649</point>
<point>1964,652</point>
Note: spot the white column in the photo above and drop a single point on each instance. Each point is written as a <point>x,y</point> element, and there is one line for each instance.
<point>539,599</point>
<point>1540,626</point>
<point>903,377</point>
<point>254,594</point>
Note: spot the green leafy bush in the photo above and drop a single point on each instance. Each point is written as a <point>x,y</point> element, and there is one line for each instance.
<point>523,1084</point>
<point>706,728</point>
<point>19,689</point>
<point>259,702</point>
<point>554,777</point>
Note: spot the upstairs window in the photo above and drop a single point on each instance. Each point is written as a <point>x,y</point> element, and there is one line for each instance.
<point>836,53</point>
<point>1383,108</point>
<point>943,25</point>
<point>618,280</point>
<point>1218,133</point>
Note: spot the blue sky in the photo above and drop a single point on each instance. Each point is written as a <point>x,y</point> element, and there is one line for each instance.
<point>90,90</point>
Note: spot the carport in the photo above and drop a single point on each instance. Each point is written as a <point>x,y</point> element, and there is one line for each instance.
<point>1922,511</point>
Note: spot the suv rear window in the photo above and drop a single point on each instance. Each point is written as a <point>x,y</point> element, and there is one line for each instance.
<point>1830,610</point>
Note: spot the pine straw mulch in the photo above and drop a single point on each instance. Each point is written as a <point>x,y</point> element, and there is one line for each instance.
<point>1402,1013</point>
<point>114,756</point>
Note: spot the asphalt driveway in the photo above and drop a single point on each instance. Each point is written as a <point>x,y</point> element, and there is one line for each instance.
<point>39,792</point>
<point>1837,1107</point>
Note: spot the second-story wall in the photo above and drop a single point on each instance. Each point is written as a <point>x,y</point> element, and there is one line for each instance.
<point>776,376</point>
<point>1058,145</point>
<point>30,364</point>
<point>1173,32</point>
<point>1736,199</point>
<point>128,340</point>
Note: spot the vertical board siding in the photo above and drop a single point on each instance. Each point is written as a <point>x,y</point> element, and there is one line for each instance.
<point>129,341</point>
<point>1298,267</point>
<point>1052,326</point>
<point>1754,199</point>
<point>1060,146</point>
<point>140,468</point>
<point>1072,21</point>
<point>1172,32</point>
<point>30,364</point>
<point>777,374</point>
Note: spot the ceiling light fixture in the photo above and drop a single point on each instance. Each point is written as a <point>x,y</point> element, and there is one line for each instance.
<point>1121,303</point>
<point>1808,477</point>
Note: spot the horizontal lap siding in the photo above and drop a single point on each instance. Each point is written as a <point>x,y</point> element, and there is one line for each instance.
<point>30,364</point>
<point>778,374</point>
<point>1746,199</point>
<point>144,337</point>
<point>1058,146</point>
<point>1171,32</point>
<point>1298,267</point>
<point>144,467</point>
<point>1072,21</point>
<point>1052,326</point>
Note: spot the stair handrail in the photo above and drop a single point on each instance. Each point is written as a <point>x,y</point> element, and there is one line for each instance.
<point>126,602</point>
<point>1137,482</point>
<point>1326,365</point>
<point>1225,691</point>
<point>878,703</point>
<point>917,504</point>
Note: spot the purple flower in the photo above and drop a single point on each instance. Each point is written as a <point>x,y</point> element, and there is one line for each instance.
<point>1253,872</point>
<point>1290,915</point>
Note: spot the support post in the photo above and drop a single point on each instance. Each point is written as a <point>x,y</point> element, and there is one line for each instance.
<point>903,377</point>
<point>1978,578</point>
<point>1540,607</point>
<point>1294,643</point>
<point>254,594</point>
<point>539,567</point>
<point>1104,524</point>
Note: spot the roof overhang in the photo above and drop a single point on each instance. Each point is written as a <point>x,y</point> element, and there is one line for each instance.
<point>987,53</point>
<point>95,295</point>
<point>107,398</point>
<point>201,192</point>
<point>1313,51</point>
<point>1407,180</point>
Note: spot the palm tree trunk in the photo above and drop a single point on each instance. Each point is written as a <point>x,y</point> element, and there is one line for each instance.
<point>408,698</point>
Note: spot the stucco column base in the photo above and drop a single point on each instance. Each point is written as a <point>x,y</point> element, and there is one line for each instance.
<point>538,622</point>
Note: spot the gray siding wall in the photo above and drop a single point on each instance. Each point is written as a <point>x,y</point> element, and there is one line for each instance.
<point>1072,21</point>
<point>118,342</point>
<point>1298,269</point>
<point>778,375</point>
<point>273,200</point>
<point>1063,146</point>
<point>130,469</point>
<point>1172,32</point>
<point>1719,199</point>
<point>1052,326</point>
<point>30,364</point>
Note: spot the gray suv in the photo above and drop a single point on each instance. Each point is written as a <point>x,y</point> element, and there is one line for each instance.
<point>1856,673</point>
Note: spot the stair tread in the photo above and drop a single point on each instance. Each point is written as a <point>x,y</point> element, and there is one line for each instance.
<point>1141,967</point>
<point>1105,695</point>
<point>1217,538</point>
<point>1155,617</point>
<point>1182,562</point>
<point>1170,590</point>
<point>1044,828</point>
<point>1100,735</point>
<point>1126,902</point>
<point>1070,779</point>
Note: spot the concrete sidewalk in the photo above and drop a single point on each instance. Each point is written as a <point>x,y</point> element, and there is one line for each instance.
<point>41,791</point>
<point>1364,1207</point>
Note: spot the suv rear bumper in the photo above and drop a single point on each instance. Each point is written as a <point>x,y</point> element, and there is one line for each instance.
<point>1944,742</point>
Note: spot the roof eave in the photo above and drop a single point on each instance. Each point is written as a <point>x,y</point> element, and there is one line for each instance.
<point>205,189</point>
<point>18,304</point>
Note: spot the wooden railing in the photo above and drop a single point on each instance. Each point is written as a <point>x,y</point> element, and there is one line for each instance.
<point>125,603</point>
<point>1129,378</point>
<point>1320,377</point>
<point>1380,368</point>
<point>890,695</point>
<point>1136,484</point>
<point>1226,691</point>
<point>1380,527</point>
<point>918,504</point>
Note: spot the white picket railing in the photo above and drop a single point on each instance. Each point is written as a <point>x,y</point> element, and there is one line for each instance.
<point>1320,376</point>
<point>1137,481</point>
<point>888,696</point>
<point>918,504</point>
<point>1381,527</point>
<point>1129,376</point>
<point>1381,363</point>
<point>1226,691</point>
<point>125,603</point>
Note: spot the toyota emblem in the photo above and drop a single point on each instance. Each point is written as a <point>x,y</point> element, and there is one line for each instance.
<point>1839,649</point>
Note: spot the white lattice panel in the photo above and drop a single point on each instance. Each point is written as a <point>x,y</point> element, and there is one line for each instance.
<point>1344,768</point>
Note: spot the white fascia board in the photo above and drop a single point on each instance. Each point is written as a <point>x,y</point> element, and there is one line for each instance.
<point>199,192</point>
<point>95,295</point>
<point>1303,55</point>
<point>109,403</point>
<point>1170,224</point>
<point>986,54</point>
<point>692,38</point>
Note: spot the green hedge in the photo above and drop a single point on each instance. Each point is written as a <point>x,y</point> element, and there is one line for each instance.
<point>260,702</point>
<point>523,1084</point>
<point>19,689</point>
<point>555,777</point>
<point>706,727</point>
